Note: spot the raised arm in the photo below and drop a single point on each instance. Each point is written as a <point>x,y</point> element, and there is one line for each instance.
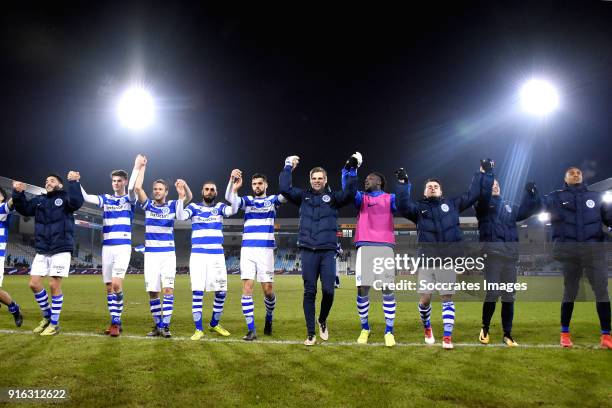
<point>293,194</point>
<point>349,189</point>
<point>481,187</point>
<point>75,197</point>
<point>23,206</point>
<point>90,198</point>
<point>231,192</point>
<point>138,164</point>
<point>187,196</point>
<point>532,202</point>
<point>140,193</point>
<point>343,181</point>
<point>405,205</point>
<point>183,213</point>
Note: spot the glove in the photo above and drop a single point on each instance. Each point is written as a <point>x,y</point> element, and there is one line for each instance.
<point>290,159</point>
<point>487,165</point>
<point>354,161</point>
<point>401,175</point>
<point>531,188</point>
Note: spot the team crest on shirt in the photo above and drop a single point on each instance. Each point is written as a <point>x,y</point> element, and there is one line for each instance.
<point>590,203</point>
<point>508,208</point>
<point>122,201</point>
<point>444,207</point>
<point>165,210</point>
<point>59,202</point>
<point>214,211</point>
<point>267,203</point>
<point>326,198</point>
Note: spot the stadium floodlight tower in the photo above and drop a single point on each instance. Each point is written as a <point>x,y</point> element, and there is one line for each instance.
<point>539,97</point>
<point>136,108</point>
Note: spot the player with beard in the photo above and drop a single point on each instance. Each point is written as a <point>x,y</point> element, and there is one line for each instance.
<point>257,252</point>
<point>207,268</point>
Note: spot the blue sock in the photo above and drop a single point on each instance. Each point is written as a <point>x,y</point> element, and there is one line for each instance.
<point>425,312</point>
<point>43,303</point>
<point>564,329</point>
<point>217,308</point>
<point>167,308</point>
<point>363,308</point>
<point>56,308</point>
<point>13,308</point>
<point>196,308</point>
<point>270,305</point>
<point>155,306</point>
<point>247,311</point>
<point>112,307</point>
<point>448,317</point>
<point>389,310</point>
<point>118,307</point>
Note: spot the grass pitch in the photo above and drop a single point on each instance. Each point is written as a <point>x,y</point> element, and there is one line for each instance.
<point>278,371</point>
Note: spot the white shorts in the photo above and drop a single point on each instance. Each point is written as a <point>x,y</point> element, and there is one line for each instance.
<point>208,272</point>
<point>257,262</point>
<point>51,265</point>
<point>159,266</point>
<point>370,265</point>
<point>434,276</point>
<point>115,261</point>
<point>1,270</point>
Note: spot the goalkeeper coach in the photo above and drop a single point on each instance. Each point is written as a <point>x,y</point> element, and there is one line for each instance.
<point>317,238</point>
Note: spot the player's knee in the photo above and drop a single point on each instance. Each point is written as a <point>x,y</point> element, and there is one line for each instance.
<point>508,297</point>
<point>328,290</point>
<point>570,293</point>
<point>363,290</point>
<point>116,287</point>
<point>55,285</point>
<point>310,292</point>
<point>34,286</point>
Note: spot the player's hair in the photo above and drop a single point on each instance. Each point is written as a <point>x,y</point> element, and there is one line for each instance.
<point>430,180</point>
<point>383,180</point>
<point>259,175</point>
<point>4,196</point>
<point>119,173</point>
<point>318,170</point>
<point>59,179</point>
<point>161,181</point>
<point>573,167</point>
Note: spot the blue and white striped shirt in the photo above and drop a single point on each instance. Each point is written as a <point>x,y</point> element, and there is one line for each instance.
<point>259,216</point>
<point>117,221</point>
<point>159,226</point>
<point>4,211</point>
<point>207,227</point>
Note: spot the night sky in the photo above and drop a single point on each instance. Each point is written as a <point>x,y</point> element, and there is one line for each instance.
<point>432,90</point>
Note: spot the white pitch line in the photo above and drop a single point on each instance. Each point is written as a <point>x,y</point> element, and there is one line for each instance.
<point>297,342</point>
